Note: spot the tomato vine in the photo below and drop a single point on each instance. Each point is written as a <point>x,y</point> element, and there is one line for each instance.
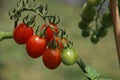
<point>56,46</point>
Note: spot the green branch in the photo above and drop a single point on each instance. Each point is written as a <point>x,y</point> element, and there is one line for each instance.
<point>82,65</point>
<point>5,35</point>
<point>90,72</point>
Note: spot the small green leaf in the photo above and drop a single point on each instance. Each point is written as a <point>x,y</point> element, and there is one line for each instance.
<point>91,73</point>
<point>104,79</point>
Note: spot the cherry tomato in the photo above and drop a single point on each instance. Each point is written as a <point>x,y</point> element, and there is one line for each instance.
<point>86,33</point>
<point>35,46</point>
<point>88,13</point>
<point>22,33</point>
<point>60,42</point>
<point>51,58</point>
<point>94,2</point>
<point>49,32</point>
<point>102,32</point>
<point>94,38</point>
<point>69,56</point>
<point>107,20</point>
<point>83,24</point>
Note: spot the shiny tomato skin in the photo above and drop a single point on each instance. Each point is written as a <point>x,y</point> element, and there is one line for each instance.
<point>51,58</point>
<point>49,33</point>
<point>69,56</point>
<point>35,46</point>
<point>22,33</point>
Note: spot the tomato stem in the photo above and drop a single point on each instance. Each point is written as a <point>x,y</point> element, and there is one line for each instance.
<point>116,24</point>
<point>98,13</point>
<point>5,35</point>
<point>16,22</point>
<point>82,65</point>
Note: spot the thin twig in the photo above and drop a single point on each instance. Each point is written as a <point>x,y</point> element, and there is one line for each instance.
<point>5,35</point>
<point>116,24</point>
<point>98,13</point>
<point>82,65</point>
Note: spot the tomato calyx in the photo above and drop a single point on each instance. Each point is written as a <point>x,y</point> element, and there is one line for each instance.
<point>49,31</point>
<point>54,20</point>
<point>29,21</point>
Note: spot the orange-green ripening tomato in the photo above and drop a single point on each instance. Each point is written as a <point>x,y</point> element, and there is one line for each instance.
<point>93,3</point>
<point>69,56</point>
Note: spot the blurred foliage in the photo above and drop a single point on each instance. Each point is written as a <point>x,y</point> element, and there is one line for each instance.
<point>15,64</point>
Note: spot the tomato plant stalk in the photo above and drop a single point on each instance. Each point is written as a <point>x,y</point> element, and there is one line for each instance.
<point>5,35</point>
<point>116,24</point>
<point>90,73</point>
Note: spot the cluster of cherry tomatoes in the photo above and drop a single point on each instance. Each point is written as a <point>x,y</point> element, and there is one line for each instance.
<point>47,44</point>
<point>91,14</point>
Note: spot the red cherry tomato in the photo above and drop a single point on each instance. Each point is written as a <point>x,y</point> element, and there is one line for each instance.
<point>35,46</point>
<point>51,58</point>
<point>49,32</point>
<point>22,33</point>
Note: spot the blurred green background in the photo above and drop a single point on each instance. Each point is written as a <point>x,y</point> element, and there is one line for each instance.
<point>15,64</point>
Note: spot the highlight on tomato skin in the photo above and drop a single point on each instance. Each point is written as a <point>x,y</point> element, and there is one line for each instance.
<point>22,33</point>
<point>95,38</point>
<point>36,46</point>
<point>69,56</point>
<point>51,58</point>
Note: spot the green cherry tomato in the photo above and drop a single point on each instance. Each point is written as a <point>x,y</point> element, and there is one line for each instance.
<point>106,20</point>
<point>88,13</point>
<point>86,33</point>
<point>82,24</point>
<point>94,38</point>
<point>69,56</point>
<point>102,32</point>
<point>93,3</point>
